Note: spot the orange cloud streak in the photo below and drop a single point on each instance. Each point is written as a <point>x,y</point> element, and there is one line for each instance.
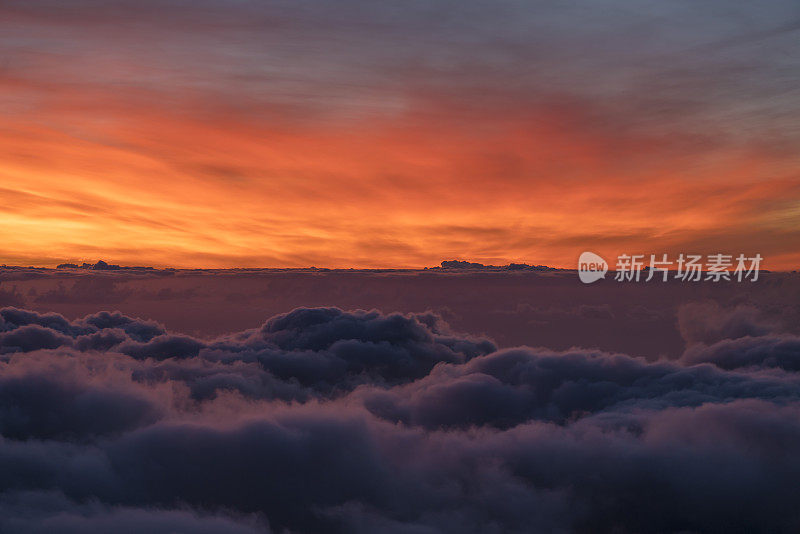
<point>187,178</point>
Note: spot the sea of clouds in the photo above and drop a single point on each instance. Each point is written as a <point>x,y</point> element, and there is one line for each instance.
<point>324,420</point>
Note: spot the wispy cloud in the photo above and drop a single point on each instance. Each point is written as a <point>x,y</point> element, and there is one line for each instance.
<point>223,134</point>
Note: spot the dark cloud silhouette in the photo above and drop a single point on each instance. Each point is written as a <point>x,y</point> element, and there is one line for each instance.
<point>32,512</point>
<point>708,322</point>
<point>138,330</point>
<point>32,337</point>
<point>328,349</point>
<point>50,406</point>
<point>13,318</point>
<point>509,387</point>
<point>324,420</point>
<point>781,351</point>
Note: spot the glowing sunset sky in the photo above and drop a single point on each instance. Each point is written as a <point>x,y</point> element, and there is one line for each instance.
<point>224,133</point>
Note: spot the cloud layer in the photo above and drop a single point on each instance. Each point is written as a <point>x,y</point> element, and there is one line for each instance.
<point>336,421</point>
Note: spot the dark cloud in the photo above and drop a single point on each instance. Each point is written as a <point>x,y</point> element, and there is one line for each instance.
<point>163,347</point>
<point>326,347</point>
<point>510,387</point>
<point>36,512</point>
<point>13,318</point>
<point>781,351</point>
<point>324,420</point>
<point>54,406</point>
<point>708,322</point>
<point>137,329</point>
<point>32,337</point>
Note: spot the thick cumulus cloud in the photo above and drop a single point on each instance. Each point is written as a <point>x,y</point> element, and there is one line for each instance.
<point>324,420</point>
<point>32,512</point>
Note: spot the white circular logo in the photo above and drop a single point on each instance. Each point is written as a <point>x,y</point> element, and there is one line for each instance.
<point>591,267</point>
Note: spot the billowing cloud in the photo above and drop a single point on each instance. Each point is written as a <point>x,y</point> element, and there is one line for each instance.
<point>357,421</point>
<point>708,322</point>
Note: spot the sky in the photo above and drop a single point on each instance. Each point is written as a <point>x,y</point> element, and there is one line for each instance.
<point>234,133</point>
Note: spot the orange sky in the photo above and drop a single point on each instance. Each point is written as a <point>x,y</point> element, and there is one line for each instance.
<point>221,139</point>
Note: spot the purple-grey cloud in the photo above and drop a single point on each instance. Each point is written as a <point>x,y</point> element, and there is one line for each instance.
<point>337,421</point>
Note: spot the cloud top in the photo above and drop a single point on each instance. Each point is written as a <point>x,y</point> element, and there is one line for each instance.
<point>359,421</point>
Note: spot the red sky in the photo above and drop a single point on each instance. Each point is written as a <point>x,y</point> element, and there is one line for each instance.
<point>221,134</point>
